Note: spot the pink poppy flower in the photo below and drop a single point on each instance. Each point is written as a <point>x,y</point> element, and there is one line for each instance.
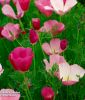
<point>4,2</point>
<point>1,69</point>
<point>11,31</point>
<point>21,58</point>
<point>70,74</point>
<point>55,47</point>
<point>9,94</point>
<point>52,26</point>
<point>24,4</point>
<point>44,7</point>
<point>53,59</point>
<point>62,6</point>
<point>36,23</point>
<point>33,36</point>
<point>47,93</point>
<point>8,11</point>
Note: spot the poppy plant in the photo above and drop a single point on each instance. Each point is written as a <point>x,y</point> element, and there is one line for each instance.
<point>11,31</point>
<point>52,26</point>
<point>44,7</point>
<point>8,10</point>
<point>70,74</point>
<point>53,59</point>
<point>55,47</point>
<point>47,93</point>
<point>21,58</point>
<point>9,94</point>
<point>62,6</point>
<point>24,4</point>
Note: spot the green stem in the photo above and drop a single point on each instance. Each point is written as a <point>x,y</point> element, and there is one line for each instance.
<point>34,60</point>
<point>41,45</point>
<point>18,42</point>
<point>21,24</point>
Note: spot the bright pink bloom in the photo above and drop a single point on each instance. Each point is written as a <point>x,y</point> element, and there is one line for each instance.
<point>62,6</point>
<point>24,4</point>
<point>1,28</point>
<point>9,94</point>
<point>21,58</point>
<point>36,23</point>
<point>52,26</point>
<point>47,93</point>
<point>11,31</point>
<point>8,11</point>
<point>53,59</point>
<point>53,48</point>
<point>70,74</point>
<point>33,36</point>
<point>44,7</point>
<point>4,2</point>
<point>1,69</point>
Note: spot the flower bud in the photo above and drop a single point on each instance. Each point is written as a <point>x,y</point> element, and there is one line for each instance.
<point>63,44</point>
<point>36,23</point>
<point>33,36</point>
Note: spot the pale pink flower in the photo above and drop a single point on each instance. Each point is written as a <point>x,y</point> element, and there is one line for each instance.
<point>8,10</point>
<point>62,6</point>
<point>9,94</point>
<point>70,74</point>
<point>52,26</point>
<point>1,69</point>
<point>11,31</point>
<point>44,7</point>
<point>54,47</point>
<point>4,2</point>
<point>53,59</point>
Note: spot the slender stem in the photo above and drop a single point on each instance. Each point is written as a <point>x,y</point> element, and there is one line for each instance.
<point>21,24</point>
<point>41,46</point>
<point>18,42</point>
<point>27,89</point>
<point>34,60</point>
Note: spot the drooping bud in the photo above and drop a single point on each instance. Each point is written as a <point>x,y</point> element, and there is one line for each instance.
<point>36,23</point>
<point>33,36</point>
<point>63,44</point>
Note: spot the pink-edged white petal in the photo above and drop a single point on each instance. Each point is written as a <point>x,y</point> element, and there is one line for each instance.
<point>46,48</point>
<point>1,69</point>
<point>69,4</point>
<point>76,72</point>
<point>20,12</point>
<point>8,11</point>
<point>58,5</point>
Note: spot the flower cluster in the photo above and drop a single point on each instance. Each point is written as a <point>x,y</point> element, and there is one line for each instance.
<point>21,57</point>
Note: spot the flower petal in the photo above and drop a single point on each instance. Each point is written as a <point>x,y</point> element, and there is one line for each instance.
<point>8,11</point>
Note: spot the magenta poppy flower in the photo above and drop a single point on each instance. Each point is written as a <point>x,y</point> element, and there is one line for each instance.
<point>70,74</point>
<point>9,94</point>
<point>1,69</point>
<point>24,4</point>
<point>36,23</point>
<point>21,58</point>
<point>8,11</point>
<point>33,36</point>
<point>4,2</point>
<point>47,93</point>
<point>11,31</point>
<point>55,47</point>
<point>44,7</point>
<point>53,59</point>
<point>53,26</point>
<point>62,6</point>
